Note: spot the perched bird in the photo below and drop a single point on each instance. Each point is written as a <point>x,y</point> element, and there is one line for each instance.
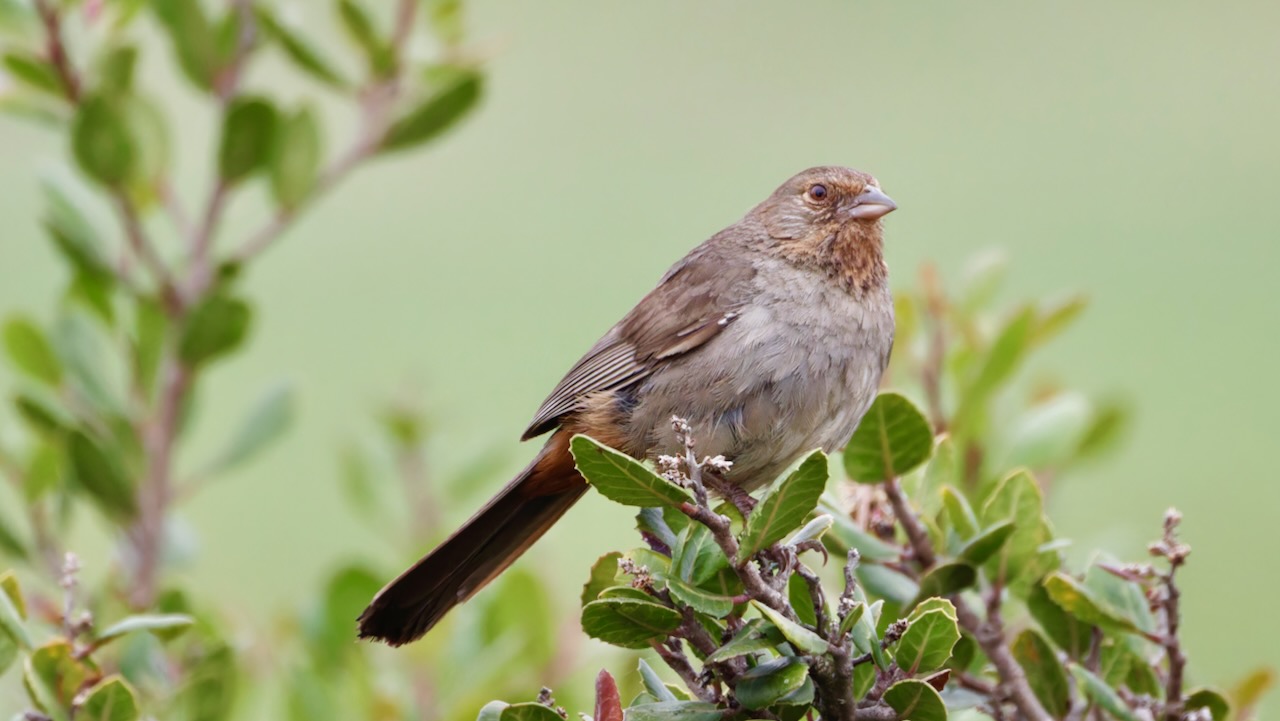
<point>769,338</point>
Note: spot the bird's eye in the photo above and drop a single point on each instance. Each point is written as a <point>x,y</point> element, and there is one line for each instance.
<point>818,191</point>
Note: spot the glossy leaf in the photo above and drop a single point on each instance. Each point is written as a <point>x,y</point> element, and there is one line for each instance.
<point>248,135</point>
<point>30,351</point>
<point>915,701</point>
<point>604,573</point>
<point>988,543</point>
<point>846,534</point>
<point>784,507</point>
<point>893,438</point>
<point>1019,560</point>
<point>529,711</point>
<point>926,644</point>
<point>1210,699</point>
<point>769,682</point>
<point>946,579</point>
<point>799,636</point>
<point>1045,674</point>
<point>621,478</point>
<point>959,512</point>
<point>628,622</point>
<point>1122,597</point>
<point>747,641</point>
<point>1068,632</point>
<point>295,158</point>
<point>435,115</point>
<point>110,700</point>
<point>814,530</point>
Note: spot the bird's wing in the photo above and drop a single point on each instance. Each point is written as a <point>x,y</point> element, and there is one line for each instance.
<point>694,301</point>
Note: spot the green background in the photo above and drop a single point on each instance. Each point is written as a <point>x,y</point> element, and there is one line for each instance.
<point>1126,150</point>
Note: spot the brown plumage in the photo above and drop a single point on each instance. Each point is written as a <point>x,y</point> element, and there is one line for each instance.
<point>770,338</point>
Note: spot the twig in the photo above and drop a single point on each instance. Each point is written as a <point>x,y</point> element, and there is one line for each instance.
<point>1169,548</point>
<point>921,546</point>
<point>51,18</point>
<point>678,662</point>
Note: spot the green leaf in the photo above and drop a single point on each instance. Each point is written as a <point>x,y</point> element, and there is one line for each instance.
<point>215,328</point>
<point>982,277</point>
<point>621,478</point>
<point>102,476</point>
<point>436,114</point>
<point>248,133</point>
<point>801,600</point>
<point>604,573</point>
<point>33,71</point>
<point>193,38</point>
<point>295,160</point>
<point>854,615</point>
<point>74,235</point>
<point>1122,597</point>
<point>56,672</point>
<point>12,612</point>
<point>267,421</point>
<point>1109,423</point>
<point>947,579</point>
<point>765,684</point>
<point>101,141</point>
<point>846,534</point>
<point>926,644</point>
<point>1248,691</point>
<point>893,438</point>
<point>715,605</point>
<point>1079,601</point>
<point>210,690</point>
<point>978,550</point>
<point>529,711</point>
<point>116,70</point>
<point>167,622</point>
<point>1210,699</point>
<point>915,701</point>
<point>696,556</point>
<point>654,685</point>
<point>814,530</point>
<point>1053,321</point>
<point>997,365</point>
<point>111,700</point>
<point>150,133</point>
<point>1068,632</point>
<point>628,622</point>
<point>864,677</point>
<point>492,711</point>
<point>1020,560</point>
<point>1103,695</point>
<point>785,506</point>
<point>30,350</point>
<point>888,583</point>
<point>799,636</point>
<point>675,711</point>
<point>1049,434</point>
<point>303,54</point>
<point>747,641</point>
<point>1045,674</point>
<point>359,26</point>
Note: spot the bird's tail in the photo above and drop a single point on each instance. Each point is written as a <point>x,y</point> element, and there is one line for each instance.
<point>485,546</point>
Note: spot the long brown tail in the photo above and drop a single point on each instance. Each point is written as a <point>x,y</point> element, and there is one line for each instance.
<point>491,540</point>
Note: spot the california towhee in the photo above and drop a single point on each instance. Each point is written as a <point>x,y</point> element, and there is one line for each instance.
<point>769,338</point>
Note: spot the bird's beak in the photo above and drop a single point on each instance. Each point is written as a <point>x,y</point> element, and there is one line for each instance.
<point>870,204</point>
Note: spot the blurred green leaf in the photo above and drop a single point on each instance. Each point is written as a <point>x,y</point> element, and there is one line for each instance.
<point>73,233</point>
<point>621,478</point>
<point>926,644</point>
<point>529,711</point>
<point>799,636</point>
<point>1045,674</point>
<point>10,543</point>
<point>41,414</point>
<point>271,415</point>
<point>1056,319</point>
<point>604,573</point>
<point>915,701</point>
<point>946,579</point>
<point>112,699</point>
<point>1210,699</point>
<point>210,690</point>
<point>981,278</point>
<point>986,544</point>
<point>150,330</point>
<point>248,133</point>
<point>172,623</point>
<point>311,697</point>
<point>765,684</point>
<point>34,71</point>
<point>1077,600</point>
<point>1050,433</point>
<point>1125,598</point>
<point>150,133</point>
<point>193,38</point>
<point>675,711</point>
<point>44,471</point>
<point>346,593</point>
<point>1106,429</point>
<point>298,49</point>
<point>1101,694</point>
<point>1248,691</point>
<point>436,114</point>
<point>56,674</point>
<point>893,438</point>
<point>215,327</point>
<point>94,294</point>
<point>295,158</point>
<point>359,26</point>
<point>30,350</point>
<point>997,365</point>
<point>846,534</point>
<point>1018,561</point>
<point>101,474</point>
<point>101,142</point>
<point>13,611</point>
<point>785,506</point>
<point>864,677</point>
<point>628,622</point>
<point>1070,633</point>
<point>890,584</point>
<point>116,70</point>
<point>959,512</point>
